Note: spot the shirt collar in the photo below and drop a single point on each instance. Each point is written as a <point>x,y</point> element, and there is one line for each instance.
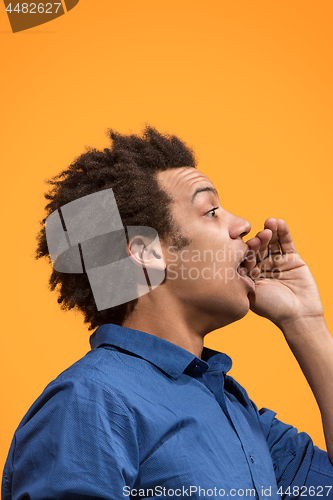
<point>165,355</point>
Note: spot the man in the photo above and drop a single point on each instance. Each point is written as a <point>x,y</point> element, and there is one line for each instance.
<point>149,412</point>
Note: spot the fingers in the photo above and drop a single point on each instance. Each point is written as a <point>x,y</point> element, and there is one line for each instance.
<point>281,241</point>
<point>274,245</point>
<point>259,244</point>
<point>268,246</point>
<point>285,239</point>
<point>258,249</point>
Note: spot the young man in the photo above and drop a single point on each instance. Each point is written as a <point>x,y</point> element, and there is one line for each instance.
<point>149,412</point>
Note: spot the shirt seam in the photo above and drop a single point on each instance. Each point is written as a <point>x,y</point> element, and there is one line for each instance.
<point>316,468</point>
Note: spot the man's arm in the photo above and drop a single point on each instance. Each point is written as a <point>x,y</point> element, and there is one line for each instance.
<point>77,441</point>
<point>312,345</point>
<point>286,293</point>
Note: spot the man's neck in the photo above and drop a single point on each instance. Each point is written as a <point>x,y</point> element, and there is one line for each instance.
<point>167,322</point>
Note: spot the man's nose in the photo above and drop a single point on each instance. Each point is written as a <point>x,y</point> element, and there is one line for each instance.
<point>239,227</point>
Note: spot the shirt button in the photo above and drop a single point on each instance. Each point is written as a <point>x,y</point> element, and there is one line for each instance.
<point>252,459</point>
<point>196,371</point>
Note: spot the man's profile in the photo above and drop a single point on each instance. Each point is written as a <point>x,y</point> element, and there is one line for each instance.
<point>149,412</point>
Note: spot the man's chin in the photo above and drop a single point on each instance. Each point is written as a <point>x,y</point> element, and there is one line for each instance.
<point>241,311</point>
<point>234,314</point>
<point>244,312</point>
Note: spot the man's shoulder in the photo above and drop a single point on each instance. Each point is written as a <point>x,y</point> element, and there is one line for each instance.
<point>101,377</point>
<point>108,367</point>
<point>99,365</point>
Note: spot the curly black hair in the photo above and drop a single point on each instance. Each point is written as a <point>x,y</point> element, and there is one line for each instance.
<point>129,167</point>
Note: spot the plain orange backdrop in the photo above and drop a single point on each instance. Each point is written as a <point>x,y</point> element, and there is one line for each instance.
<point>247,83</point>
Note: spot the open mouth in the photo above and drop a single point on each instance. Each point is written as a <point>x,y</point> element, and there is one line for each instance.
<point>241,269</point>
<point>243,273</point>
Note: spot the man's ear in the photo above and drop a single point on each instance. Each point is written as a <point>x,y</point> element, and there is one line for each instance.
<point>146,253</point>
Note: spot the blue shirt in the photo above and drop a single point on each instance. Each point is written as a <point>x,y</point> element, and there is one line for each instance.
<point>139,416</point>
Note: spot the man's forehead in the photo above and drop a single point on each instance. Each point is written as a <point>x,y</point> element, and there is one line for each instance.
<point>185,179</point>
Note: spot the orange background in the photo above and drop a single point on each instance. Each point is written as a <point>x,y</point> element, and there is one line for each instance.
<point>247,83</point>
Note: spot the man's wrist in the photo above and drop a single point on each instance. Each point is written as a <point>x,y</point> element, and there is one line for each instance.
<point>300,327</point>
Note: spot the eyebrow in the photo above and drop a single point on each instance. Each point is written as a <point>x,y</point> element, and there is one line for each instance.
<point>203,189</point>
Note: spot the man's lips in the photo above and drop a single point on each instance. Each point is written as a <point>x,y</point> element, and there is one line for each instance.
<point>243,273</point>
<point>243,276</point>
<point>241,263</point>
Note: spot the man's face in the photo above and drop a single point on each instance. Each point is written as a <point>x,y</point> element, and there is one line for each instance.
<point>203,275</point>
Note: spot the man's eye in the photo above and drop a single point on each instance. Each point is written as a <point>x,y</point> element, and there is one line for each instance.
<point>212,211</point>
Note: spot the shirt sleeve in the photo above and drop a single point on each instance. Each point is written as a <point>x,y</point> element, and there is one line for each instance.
<point>298,464</point>
<point>319,482</point>
<point>76,441</point>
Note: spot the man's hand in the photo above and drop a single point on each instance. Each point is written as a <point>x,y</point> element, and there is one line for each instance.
<point>286,293</point>
<point>285,288</point>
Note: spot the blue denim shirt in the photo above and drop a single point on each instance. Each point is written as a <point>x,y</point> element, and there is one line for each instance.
<point>139,416</point>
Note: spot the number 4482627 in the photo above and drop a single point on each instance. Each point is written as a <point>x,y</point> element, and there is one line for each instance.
<point>33,8</point>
